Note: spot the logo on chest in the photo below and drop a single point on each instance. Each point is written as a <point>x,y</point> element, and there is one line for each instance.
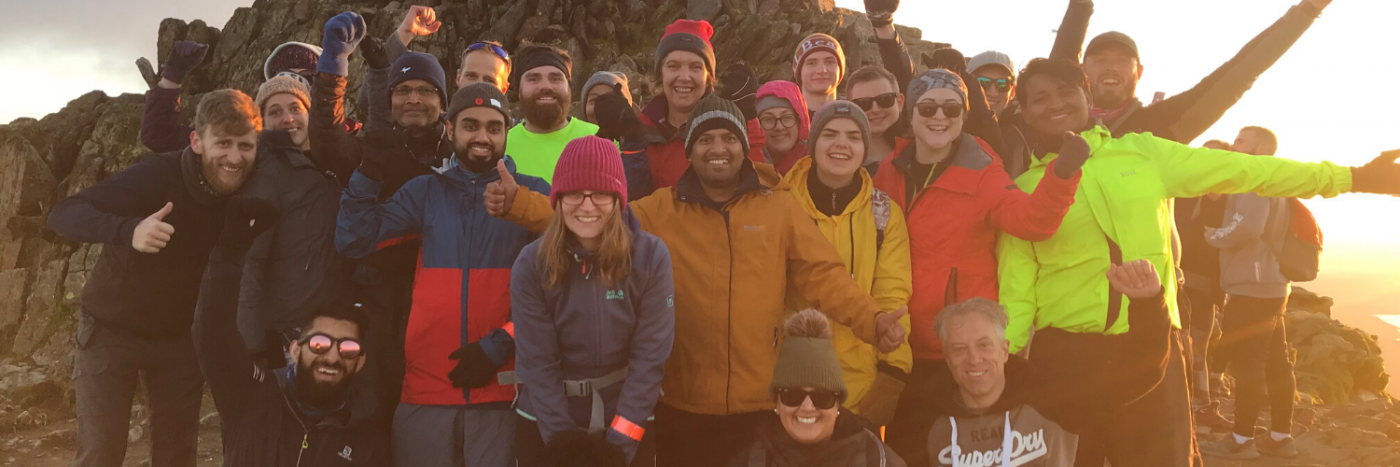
<point>615,295</point>
<point>345,454</point>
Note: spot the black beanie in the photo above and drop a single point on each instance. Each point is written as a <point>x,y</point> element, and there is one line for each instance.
<point>535,56</point>
<point>478,95</point>
<point>716,112</point>
<point>417,65</point>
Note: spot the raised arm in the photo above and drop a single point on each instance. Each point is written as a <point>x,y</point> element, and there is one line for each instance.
<point>161,130</point>
<point>1069,39</point>
<point>894,56</point>
<point>651,345</point>
<point>332,148</point>
<point>1189,172</point>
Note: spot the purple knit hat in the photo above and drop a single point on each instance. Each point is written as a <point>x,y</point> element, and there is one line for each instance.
<point>589,163</point>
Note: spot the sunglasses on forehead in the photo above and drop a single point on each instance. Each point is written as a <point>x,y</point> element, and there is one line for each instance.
<point>885,100</point>
<point>821,399</point>
<point>495,49</point>
<point>319,344</point>
<point>1002,84</point>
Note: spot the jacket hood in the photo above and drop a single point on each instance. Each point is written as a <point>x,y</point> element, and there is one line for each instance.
<point>788,90</point>
<point>796,182</point>
<point>1016,392</point>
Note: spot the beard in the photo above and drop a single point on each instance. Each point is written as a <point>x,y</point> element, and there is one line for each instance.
<point>1109,99</point>
<point>319,394</point>
<point>475,163</point>
<point>222,182</point>
<point>545,115</point>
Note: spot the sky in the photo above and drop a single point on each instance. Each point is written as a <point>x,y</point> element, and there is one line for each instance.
<point>56,50</point>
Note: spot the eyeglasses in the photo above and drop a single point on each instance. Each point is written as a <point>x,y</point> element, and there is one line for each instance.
<point>495,49</point>
<point>885,100</point>
<point>1003,84</point>
<point>600,198</point>
<point>319,344</point>
<point>821,399</point>
<point>421,91</point>
<point>770,123</point>
<point>304,76</point>
<point>950,109</point>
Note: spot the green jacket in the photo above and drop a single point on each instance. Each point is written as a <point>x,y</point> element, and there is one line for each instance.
<point>1122,212</point>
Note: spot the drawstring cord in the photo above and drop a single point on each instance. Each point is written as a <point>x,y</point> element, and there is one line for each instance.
<point>1005,441</point>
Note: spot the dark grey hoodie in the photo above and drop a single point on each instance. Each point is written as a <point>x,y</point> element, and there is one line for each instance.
<point>1254,226</point>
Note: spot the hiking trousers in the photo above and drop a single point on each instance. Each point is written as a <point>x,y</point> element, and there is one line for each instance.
<point>106,369</point>
<point>1255,342</point>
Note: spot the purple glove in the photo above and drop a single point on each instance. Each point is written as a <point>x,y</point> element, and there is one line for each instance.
<point>341,36</point>
<point>183,59</point>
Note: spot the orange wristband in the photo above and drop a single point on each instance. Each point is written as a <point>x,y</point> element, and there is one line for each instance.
<point>627,428</point>
<point>510,329</point>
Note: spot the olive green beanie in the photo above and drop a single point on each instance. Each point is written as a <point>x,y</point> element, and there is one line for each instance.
<point>807,358</point>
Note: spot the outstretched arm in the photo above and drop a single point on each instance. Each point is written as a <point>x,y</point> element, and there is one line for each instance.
<point>1069,39</point>
<point>365,225</point>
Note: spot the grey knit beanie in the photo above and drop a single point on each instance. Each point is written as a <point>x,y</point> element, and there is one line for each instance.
<point>935,78</point>
<point>835,110</point>
<point>282,85</point>
<point>611,79</point>
<point>807,358</point>
<point>716,112</point>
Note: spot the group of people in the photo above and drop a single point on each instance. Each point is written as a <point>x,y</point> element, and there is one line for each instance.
<point>843,269</point>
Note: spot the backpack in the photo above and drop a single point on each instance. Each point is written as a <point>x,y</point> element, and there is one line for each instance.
<point>1301,248</point>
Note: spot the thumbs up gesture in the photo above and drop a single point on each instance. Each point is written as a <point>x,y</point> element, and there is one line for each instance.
<point>890,333</point>
<point>152,234</point>
<point>500,194</point>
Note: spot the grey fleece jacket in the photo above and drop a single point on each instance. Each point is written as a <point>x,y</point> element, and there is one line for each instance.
<point>1253,227</point>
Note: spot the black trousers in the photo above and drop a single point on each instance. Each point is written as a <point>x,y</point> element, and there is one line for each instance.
<point>1156,430</point>
<point>1201,322</point>
<point>907,433</point>
<point>685,439</point>
<point>105,373</point>
<point>530,447</point>
<point>1255,342</point>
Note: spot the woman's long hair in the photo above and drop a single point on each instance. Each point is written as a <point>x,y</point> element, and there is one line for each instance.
<point>612,261</point>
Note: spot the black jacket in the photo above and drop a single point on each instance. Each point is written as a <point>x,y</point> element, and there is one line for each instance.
<point>262,424</point>
<point>852,444</point>
<point>150,296</point>
<point>294,268</point>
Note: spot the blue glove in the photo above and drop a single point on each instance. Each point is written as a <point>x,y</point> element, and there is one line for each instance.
<point>183,59</point>
<point>342,34</point>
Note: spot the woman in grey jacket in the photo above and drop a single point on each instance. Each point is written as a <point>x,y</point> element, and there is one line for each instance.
<point>592,307</point>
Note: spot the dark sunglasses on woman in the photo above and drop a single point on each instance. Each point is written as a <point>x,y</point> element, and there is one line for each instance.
<point>319,344</point>
<point>950,109</point>
<point>885,100</point>
<point>821,399</point>
<point>1002,84</point>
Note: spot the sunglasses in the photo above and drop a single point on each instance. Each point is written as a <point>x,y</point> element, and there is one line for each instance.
<point>950,109</point>
<point>495,49</point>
<point>319,344</point>
<point>885,100</point>
<point>1002,84</point>
<point>770,123</point>
<point>821,399</point>
<point>600,198</point>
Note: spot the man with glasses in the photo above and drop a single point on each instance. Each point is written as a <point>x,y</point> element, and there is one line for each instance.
<point>300,414</point>
<point>873,89</point>
<point>459,382</point>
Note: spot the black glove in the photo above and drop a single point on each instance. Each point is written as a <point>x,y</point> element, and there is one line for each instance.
<point>1073,152</point>
<point>739,85</point>
<point>474,369</point>
<point>947,58</point>
<point>182,60</point>
<point>372,49</point>
<point>881,12</point>
<point>244,219</point>
<point>379,146</point>
<point>616,119</point>
<point>1381,175</point>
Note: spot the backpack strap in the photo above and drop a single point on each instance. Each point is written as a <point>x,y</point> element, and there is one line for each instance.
<point>880,207</point>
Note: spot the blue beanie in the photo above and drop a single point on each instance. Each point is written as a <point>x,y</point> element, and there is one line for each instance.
<point>417,65</point>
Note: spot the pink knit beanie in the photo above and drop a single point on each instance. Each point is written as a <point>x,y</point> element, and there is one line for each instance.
<point>589,163</point>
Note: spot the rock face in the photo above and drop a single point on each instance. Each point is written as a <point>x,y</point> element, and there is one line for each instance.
<point>95,136</point>
<point>1334,362</point>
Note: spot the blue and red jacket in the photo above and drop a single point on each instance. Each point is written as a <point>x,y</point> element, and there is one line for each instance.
<point>461,290</point>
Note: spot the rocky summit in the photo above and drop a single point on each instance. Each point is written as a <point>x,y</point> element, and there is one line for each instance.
<point>1345,418</point>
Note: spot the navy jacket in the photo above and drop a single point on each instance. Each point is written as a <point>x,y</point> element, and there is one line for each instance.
<point>584,329</point>
<point>150,296</point>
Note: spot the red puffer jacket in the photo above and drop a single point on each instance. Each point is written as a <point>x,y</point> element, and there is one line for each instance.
<point>953,226</point>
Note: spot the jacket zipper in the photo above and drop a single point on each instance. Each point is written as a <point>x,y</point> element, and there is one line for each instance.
<point>466,287</point>
<point>305,433</point>
<point>729,315</point>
